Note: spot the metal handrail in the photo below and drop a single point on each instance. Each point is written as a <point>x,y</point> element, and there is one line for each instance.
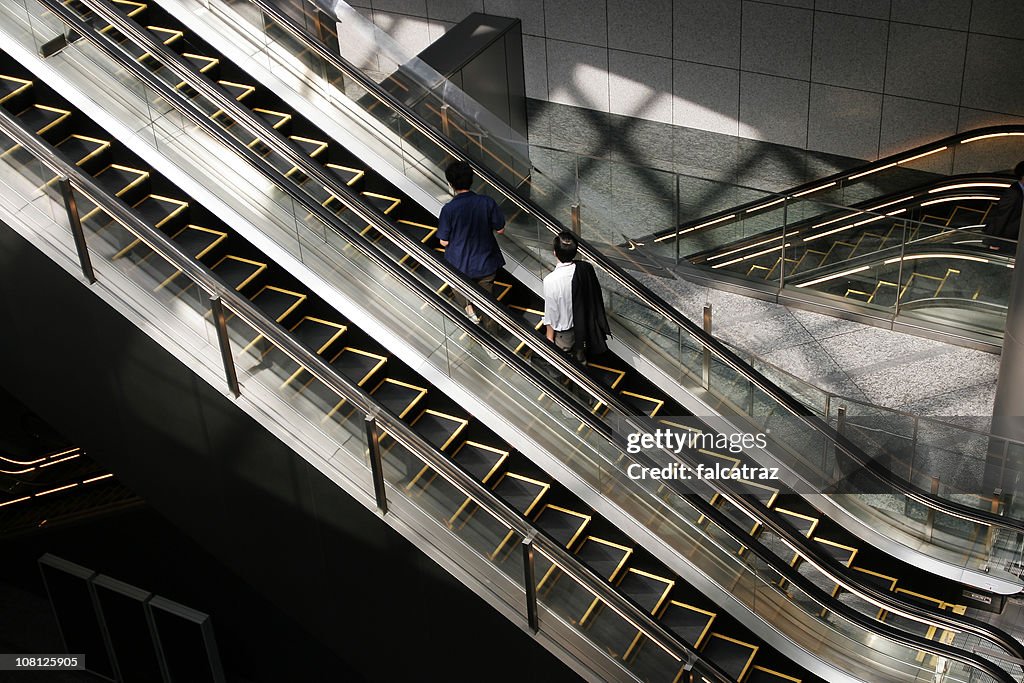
<point>630,283</point>
<point>834,571</point>
<point>356,395</point>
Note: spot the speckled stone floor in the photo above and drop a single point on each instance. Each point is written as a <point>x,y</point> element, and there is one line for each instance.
<point>848,359</point>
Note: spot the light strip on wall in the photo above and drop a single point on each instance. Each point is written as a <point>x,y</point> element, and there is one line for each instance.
<point>815,189</point>
<point>59,488</point>
<point>54,462</point>
<point>751,246</point>
<point>962,198</point>
<point>874,170</point>
<point>833,277</point>
<point>750,256</point>
<point>102,476</point>
<point>922,155</point>
<point>20,462</point>
<point>696,227</point>
<point>966,185</point>
<point>990,135</point>
<point>16,500</point>
<point>765,206</point>
<point>916,257</point>
<point>897,163</point>
<point>895,201</point>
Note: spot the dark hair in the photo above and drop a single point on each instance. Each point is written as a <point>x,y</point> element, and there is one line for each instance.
<point>459,175</point>
<point>566,246</point>
<point>1018,171</point>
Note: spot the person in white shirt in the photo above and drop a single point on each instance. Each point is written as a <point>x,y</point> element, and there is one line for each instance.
<point>558,296</point>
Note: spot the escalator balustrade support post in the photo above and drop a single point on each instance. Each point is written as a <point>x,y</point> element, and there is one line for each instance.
<point>706,369</point>
<point>530,583</point>
<point>841,419</point>
<point>221,323</point>
<point>676,217</point>
<point>380,493</point>
<point>899,273</point>
<point>782,256</point>
<point>71,206</point>
<point>576,221</point>
<point>445,124</point>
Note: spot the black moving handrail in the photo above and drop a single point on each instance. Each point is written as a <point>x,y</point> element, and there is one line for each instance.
<point>197,80</point>
<point>731,359</point>
<point>334,380</point>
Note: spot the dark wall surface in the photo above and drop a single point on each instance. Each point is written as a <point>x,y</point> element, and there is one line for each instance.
<point>355,585</point>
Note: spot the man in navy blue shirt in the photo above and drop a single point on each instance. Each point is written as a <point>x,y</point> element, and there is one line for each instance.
<point>467,228</point>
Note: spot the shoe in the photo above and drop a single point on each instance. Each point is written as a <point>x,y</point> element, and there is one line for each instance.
<point>471,314</point>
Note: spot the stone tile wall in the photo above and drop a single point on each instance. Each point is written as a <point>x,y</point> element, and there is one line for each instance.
<point>857,78</point>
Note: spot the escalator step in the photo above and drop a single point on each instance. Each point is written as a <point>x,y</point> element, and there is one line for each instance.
<point>316,333</point>
<point>843,554</point>
<point>646,589</point>
<point>563,525</point>
<point>198,241</point>
<point>690,623</point>
<point>237,272</point>
<point>159,210</point>
<point>119,180</point>
<point>397,396</point>
<point>11,87</point>
<point>80,148</point>
<point>733,656</point>
<point>609,377</point>
<point>439,429</point>
<point>41,118</point>
<point>277,303</point>
<point>521,493</point>
<point>643,405</point>
<point>479,460</point>
<point>802,523</point>
<point>760,674</point>
<point>202,63</point>
<point>358,365</point>
<point>382,202</point>
<point>274,119</point>
<point>347,175</point>
<point>604,557</point>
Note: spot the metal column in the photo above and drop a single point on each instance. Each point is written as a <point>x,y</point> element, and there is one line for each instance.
<point>1008,412</point>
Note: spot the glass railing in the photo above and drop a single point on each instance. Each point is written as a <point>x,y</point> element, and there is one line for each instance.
<point>675,349</point>
<point>376,275</point>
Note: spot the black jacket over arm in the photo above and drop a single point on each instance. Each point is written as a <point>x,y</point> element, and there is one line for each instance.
<point>1004,219</point>
<point>589,321</point>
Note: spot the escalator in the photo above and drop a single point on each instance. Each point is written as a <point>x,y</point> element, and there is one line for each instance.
<point>879,240</point>
<point>399,390</point>
<point>56,488</point>
<point>407,396</point>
